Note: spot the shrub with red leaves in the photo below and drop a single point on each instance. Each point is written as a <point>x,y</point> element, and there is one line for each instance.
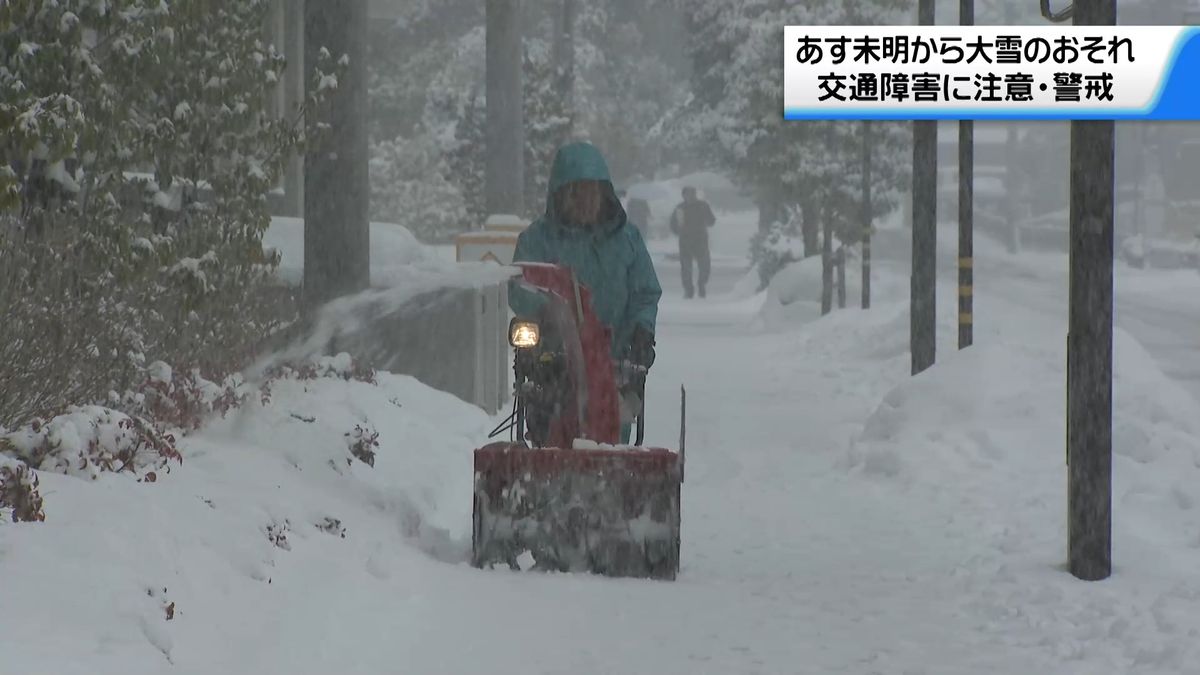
<point>137,436</point>
<point>85,441</point>
<point>182,401</point>
<point>19,493</point>
<point>341,366</point>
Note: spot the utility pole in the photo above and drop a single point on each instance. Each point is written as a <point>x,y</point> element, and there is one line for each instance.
<point>1089,337</point>
<point>923,288</point>
<point>336,189</point>
<point>866,214</point>
<point>1089,328</point>
<point>505,165</point>
<point>966,209</point>
<point>1012,137</point>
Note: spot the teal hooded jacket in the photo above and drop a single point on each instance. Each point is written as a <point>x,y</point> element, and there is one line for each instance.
<point>610,259</point>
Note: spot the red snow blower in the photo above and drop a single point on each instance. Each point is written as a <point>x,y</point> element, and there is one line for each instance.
<point>561,495</point>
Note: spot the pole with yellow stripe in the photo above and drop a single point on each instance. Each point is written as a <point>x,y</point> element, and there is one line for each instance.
<point>966,210</point>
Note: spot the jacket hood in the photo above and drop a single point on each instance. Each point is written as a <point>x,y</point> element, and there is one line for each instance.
<point>582,161</point>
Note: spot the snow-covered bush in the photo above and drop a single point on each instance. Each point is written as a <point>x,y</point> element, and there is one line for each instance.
<point>362,442</point>
<point>180,402</point>
<point>137,433</point>
<point>85,441</point>
<point>19,496</point>
<point>341,366</point>
<point>137,155</point>
<point>775,247</point>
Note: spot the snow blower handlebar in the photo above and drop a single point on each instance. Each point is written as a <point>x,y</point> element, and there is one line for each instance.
<point>566,387</point>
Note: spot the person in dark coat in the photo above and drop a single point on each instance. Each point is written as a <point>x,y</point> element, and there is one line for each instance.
<point>584,227</point>
<point>690,222</point>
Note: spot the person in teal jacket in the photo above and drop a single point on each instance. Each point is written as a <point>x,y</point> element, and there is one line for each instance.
<point>585,228</point>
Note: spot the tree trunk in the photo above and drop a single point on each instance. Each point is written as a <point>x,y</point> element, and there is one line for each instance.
<point>841,276</point>
<point>336,189</point>
<point>827,265</point>
<point>564,58</point>
<point>810,227</point>
<point>293,78</point>
<point>505,163</point>
<point>1089,334</point>
<point>768,209</point>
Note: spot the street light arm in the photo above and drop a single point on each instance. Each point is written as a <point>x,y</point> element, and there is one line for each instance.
<point>1060,17</point>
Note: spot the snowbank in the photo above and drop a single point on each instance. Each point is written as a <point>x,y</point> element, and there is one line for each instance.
<point>794,294</point>
<point>266,522</point>
<point>746,286</point>
<point>396,255</point>
<point>981,439</point>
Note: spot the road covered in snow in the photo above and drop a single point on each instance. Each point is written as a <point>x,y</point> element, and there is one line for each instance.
<point>839,516</point>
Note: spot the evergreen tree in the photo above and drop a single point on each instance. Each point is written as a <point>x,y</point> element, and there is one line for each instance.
<point>624,84</point>
<point>137,158</point>
<point>800,172</point>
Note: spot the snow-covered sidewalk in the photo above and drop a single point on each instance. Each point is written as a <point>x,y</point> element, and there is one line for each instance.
<point>839,516</point>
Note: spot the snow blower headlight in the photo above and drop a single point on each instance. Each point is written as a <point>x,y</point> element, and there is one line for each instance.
<point>524,334</point>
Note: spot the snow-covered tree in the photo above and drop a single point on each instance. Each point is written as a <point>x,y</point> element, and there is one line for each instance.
<point>548,119</point>
<point>623,86</point>
<point>406,54</point>
<point>409,187</point>
<point>800,172</point>
<point>137,154</point>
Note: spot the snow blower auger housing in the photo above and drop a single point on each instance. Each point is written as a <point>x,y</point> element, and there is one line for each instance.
<point>561,495</point>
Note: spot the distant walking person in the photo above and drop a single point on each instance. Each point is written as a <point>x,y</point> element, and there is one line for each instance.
<point>690,222</point>
<point>638,211</point>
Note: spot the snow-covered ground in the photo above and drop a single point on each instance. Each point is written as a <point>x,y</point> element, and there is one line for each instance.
<point>839,516</point>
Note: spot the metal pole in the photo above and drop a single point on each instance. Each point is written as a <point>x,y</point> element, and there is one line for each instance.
<point>1089,336</point>
<point>866,214</point>
<point>966,209</point>
<point>1012,227</point>
<point>923,289</point>
<point>505,130</point>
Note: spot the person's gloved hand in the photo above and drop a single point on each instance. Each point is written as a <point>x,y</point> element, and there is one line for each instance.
<point>641,347</point>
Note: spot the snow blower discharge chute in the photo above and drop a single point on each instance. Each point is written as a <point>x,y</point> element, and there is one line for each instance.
<point>561,492</point>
